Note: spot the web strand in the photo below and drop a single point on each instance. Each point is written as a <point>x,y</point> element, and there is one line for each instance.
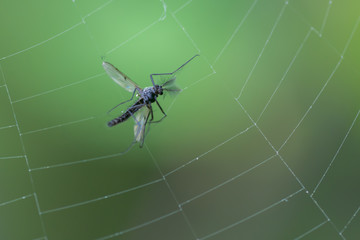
<point>312,104</point>
<point>188,164</point>
<point>326,83</point>
<point>139,226</point>
<point>291,171</point>
<point>316,98</point>
<point>173,195</point>
<point>350,220</point>
<point>236,31</point>
<point>264,47</point>
<point>325,18</point>
<point>226,182</point>
<point>58,88</point>
<point>285,74</point>
<point>251,216</point>
<point>311,230</point>
<point>337,152</point>
<point>101,198</point>
<point>145,184</point>
<point>10,126</point>
<point>43,42</point>
<point>15,200</point>
<point>58,34</point>
<point>216,232</point>
<point>57,126</point>
<point>181,7</point>
<point>97,9</point>
<point>10,157</point>
<point>25,156</point>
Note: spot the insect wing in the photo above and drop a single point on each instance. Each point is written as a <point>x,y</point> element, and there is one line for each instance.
<point>163,78</point>
<point>140,124</point>
<point>171,87</point>
<point>119,77</point>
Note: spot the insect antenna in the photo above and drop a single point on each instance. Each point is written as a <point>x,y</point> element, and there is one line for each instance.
<point>164,74</point>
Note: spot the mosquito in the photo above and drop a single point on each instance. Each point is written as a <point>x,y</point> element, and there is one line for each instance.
<point>142,109</point>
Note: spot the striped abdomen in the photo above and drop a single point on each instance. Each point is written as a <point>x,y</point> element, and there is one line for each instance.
<point>131,111</point>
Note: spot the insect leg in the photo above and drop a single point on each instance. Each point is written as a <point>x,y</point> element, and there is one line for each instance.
<point>151,112</point>
<point>159,74</point>
<point>145,132</point>
<point>138,124</point>
<point>131,144</point>
<point>161,111</point>
<point>122,102</point>
<point>134,141</point>
<point>140,105</point>
<point>151,120</point>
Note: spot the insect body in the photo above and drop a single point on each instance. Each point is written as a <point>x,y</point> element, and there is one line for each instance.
<point>148,96</point>
<point>131,111</point>
<point>141,110</point>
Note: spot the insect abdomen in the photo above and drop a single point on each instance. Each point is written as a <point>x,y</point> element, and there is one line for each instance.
<point>133,109</point>
<point>120,119</point>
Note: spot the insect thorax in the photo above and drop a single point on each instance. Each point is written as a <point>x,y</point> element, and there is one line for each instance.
<point>149,94</point>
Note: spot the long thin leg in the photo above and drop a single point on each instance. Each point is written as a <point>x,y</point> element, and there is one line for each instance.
<point>151,120</point>
<point>144,129</point>
<point>141,105</point>
<point>159,74</point>
<point>130,146</point>
<point>160,107</point>
<point>122,102</point>
<point>161,111</point>
<point>134,141</point>
<point>145,132</point>
<point>151,112</point>
<point>131,114</point>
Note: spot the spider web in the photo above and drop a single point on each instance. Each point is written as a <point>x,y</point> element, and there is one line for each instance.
<point>261,144</point>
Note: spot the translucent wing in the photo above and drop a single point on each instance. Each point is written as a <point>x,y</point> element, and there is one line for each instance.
<point>140,124</point>
<point>170,86</point>
<point>119,77</point>
<point>163,78</point>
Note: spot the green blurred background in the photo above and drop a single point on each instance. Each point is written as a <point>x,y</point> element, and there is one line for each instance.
<point>207,171</point>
